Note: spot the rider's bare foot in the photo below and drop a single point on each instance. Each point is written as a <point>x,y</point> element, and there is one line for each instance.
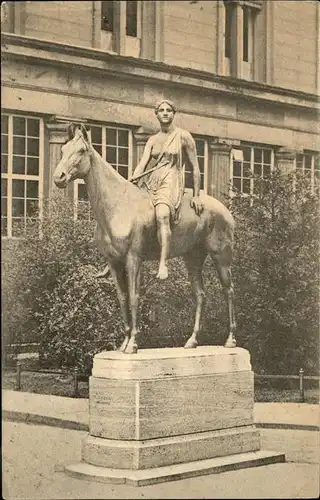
<point>162,273</point>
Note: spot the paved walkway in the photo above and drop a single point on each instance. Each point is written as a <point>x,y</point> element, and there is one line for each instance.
<point>74,413</point>
<point>34,456</point>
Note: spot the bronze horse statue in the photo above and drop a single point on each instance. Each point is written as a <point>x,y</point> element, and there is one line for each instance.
<point>126,233</point>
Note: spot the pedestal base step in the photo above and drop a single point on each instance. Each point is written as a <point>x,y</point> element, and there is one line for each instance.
<point>173,472</point>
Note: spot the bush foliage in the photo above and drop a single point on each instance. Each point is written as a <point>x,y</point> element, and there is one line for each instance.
<point>51,293</point>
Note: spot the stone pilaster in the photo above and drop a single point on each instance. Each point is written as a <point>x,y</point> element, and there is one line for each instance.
<point>141,135</point>
<point>219,168</point>
<point>284,159</point>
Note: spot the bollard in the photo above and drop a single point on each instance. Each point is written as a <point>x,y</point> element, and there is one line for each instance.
<point>18,378</point>
<point>75,382</point>
<point>301,387</point>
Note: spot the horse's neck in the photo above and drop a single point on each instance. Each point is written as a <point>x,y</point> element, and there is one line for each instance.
<point>104,186</point>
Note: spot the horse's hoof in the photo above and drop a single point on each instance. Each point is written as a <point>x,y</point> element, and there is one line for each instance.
<point>230,343</point>
<point>123,346</point>
<point>163,273</point>
<point>191,344</point>
<point>131,349</point>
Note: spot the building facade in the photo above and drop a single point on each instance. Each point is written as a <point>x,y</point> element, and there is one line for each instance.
<point>244,75</point>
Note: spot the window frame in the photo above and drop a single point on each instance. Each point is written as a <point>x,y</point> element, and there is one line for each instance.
<point>104,128</point>
<point>252,147</point>
<point>312,170</point>
<point>10,176</point>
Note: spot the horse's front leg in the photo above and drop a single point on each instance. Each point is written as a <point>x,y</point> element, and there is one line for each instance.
<point>194,261</point>
<point>118,272</point>
<point>133,272</point>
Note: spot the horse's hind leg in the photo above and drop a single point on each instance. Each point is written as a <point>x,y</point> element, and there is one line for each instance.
<point>224,271</point>
<point>194,261</point>
<point>118,273</point>
<point>134,274</point>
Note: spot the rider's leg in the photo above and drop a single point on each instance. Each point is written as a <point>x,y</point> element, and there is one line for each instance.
<point>164,237</point>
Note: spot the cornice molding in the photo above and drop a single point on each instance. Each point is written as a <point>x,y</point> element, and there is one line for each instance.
<point>26,49</point>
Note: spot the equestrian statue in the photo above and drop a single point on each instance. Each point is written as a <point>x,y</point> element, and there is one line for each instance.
<point>150,217</point>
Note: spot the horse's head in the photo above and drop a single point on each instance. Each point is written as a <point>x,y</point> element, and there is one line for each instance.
<point>75,161</point>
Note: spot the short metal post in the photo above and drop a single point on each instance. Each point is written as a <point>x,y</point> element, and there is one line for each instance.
<point>301,386</point>
<point>18,377</point>
<point>75,382</point>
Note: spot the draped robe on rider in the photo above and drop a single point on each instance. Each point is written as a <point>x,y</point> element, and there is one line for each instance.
<point>166,183</point>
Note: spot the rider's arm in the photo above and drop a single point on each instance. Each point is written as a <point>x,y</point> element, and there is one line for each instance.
<point>144,160</point>
<point>192,159</point>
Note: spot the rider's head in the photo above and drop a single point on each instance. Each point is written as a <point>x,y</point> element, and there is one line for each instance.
<point>165,102</point>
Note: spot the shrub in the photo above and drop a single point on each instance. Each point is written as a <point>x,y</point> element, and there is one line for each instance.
<point>276,273</point>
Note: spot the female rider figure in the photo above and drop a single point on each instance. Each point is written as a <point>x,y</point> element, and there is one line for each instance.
<point>169,150</point>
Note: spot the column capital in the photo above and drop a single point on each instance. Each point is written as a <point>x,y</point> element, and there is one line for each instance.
<point>57,126</point>
<point>220,146</point>
<point>141,135</point>
<point>285,154</point>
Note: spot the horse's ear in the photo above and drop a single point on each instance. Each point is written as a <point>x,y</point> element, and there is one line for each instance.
<point>71,131</point>
<point>86,132</point>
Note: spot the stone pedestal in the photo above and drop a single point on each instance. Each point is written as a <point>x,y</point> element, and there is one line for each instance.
<point>164,414</point>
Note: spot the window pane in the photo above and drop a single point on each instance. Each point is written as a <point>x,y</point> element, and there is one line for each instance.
<point>112,155</point>
<point>131,18</point>
<point>4,187</point>
<point>33,166</point>
<point>123,138</point>
<point>188,180</point>
<point>200,147</point>
<point>307,161</point>
<point>202,182</point>
<point>257,156</point>
<point>237,184</point>
<point>257,169</point>
<point>123,156</point>
<point>98,149</point>
<point>246,154</point>
<point>227,29</point>
<point>17,227</point>
<point>246,186</point>
<point>111,137</point>
<point>17,207</point>
<point>4,226</point>
<point>4,164</point>
<point>246,33</point>
<point>33,147</point>
<point>19,147</point>
<point>123,171</point>
<point>246,169</point>
<point>32,189</point>
<point>4,143</point>
<point>267,156</point>
<point>19,126</point>
<point>237,169</point>
<point>18,188</point>
<point>32,207</point>
<point>4,124</point>
<point>201,164</point>
<point>82,192</point>
<point>18,164</point>
<point>107,15</point>
<point>4,206</point>
<point>96,135</point>
<point>266,171</point>
<point>32,127</point>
